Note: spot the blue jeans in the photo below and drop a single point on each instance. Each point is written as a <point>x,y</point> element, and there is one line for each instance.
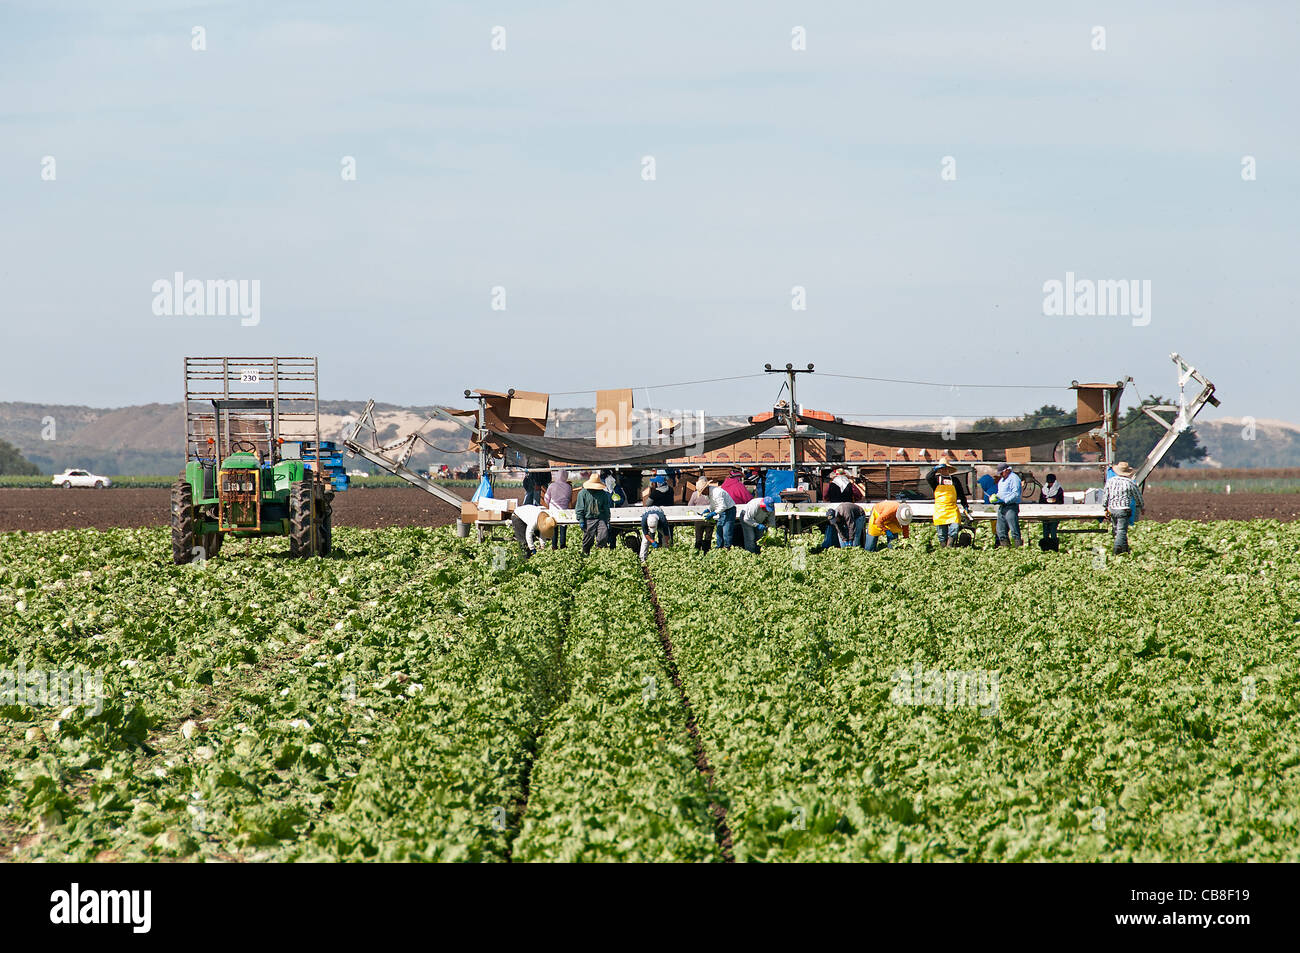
<point>832,538</point>
<point>1119,520</point>
<point>1049,528</point>
<point>751,535</point>
<point>948,531</point>
<point>726,531</point>
<point>871,543</point>
<point>1009,522</point>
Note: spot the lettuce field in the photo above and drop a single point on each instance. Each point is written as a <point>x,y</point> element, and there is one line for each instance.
<point>419,697</point>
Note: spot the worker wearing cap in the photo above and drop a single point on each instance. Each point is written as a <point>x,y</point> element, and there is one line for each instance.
<point>1123,498</point>
<point>661,490</point>
<point>754,518</point>
<point>888,519</point>
<point>531,522</point>
<point>1008,500</point>
<point>592,508</point>
<point>722,508</point>
<point>656,531</point>
<point>949,497</point>
<point>850,522</point>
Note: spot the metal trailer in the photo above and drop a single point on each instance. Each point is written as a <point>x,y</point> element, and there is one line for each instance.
<point>393,457</point>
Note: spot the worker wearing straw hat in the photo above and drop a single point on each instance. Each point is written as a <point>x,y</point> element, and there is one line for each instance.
<point>888,519</point>
<point>592,508</point>
<point>1123,498</point>
<point>531,523</point>
<point>949,497</point>
<point>722,508</point>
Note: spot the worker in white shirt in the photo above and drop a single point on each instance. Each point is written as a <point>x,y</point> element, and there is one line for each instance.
<point>754,518</point>
<point>531,523</point>
<point>722,508</point>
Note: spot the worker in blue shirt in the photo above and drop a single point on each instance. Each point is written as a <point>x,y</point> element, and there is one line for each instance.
<point>1008,500</point>
<point>988,485</point>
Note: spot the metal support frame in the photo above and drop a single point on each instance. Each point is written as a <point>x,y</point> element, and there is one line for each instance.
<point>1185,413</point>
<point>394,456</point>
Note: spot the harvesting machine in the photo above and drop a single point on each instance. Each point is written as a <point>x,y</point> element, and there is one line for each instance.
<point>254,462</point>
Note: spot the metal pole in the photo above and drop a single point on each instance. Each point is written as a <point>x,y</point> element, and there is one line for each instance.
<point>794,468</point>
<point>1108,427</point>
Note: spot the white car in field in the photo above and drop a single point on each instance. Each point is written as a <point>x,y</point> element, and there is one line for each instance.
<point>69,478</point>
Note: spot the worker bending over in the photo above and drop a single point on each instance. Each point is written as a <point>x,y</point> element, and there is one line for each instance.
<point>592,508</point>
<point>656,531</point>
<point>754,518</point>
<point>888,520</point>
<point>949,497</point>
<point>850,521</point>
<point>531,523</point>
<point>722,508</point>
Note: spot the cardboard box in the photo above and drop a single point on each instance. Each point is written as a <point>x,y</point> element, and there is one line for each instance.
<point>468,512</point>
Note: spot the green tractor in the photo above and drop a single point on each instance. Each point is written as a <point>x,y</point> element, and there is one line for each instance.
<point>253,458</point>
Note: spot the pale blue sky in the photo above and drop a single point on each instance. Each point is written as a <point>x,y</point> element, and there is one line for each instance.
<point>775,168</point>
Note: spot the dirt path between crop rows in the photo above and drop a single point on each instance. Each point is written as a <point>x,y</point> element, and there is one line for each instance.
<point>722,830</point>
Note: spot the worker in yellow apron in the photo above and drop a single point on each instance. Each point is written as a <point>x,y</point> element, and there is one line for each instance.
<point>949,497</point>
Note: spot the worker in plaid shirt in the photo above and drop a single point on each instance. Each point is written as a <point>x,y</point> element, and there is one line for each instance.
<point>1123,501</point>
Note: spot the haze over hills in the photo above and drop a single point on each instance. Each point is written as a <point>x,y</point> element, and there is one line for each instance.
<point>148,438</point>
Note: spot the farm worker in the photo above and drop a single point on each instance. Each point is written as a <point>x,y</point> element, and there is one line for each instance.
<point>830,540</point>
<point>722,508</point>
<point>531,522</point>
<point>735,485</point>
<point>592,510</point>
<point>1008,500</point>
<point>1123,502</point>
<point>988,485</point>
<point>755,517</point>
<point>661,490</point>
<point>532,495</point>
<point>949,495</point>
<point>850,522</point>
<point>559,496</point>
<point>703,531</point>
<point>656,531</point>
<point>1053,494</point>
<point>839,488</point>
<point>888,519</point>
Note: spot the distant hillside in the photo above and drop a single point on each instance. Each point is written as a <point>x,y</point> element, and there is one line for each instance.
<point>148,439</point>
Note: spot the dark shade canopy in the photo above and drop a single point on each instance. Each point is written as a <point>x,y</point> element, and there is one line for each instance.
<point>964,440</point>
<point>578,451</point>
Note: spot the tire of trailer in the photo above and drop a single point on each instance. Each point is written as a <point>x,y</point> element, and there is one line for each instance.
<point>326,535</point>
<point>182,519</point>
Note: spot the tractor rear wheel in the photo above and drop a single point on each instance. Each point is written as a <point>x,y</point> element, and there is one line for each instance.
<point>305,536</point>
<point>182,507</point>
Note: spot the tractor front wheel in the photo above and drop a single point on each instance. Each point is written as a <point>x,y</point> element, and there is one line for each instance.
<point>182,506</point>
<point>309,521</point>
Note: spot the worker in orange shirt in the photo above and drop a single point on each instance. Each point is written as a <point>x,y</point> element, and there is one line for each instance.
<point>888,519</point>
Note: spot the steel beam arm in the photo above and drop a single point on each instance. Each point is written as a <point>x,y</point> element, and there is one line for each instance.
<point>1186,413</point>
